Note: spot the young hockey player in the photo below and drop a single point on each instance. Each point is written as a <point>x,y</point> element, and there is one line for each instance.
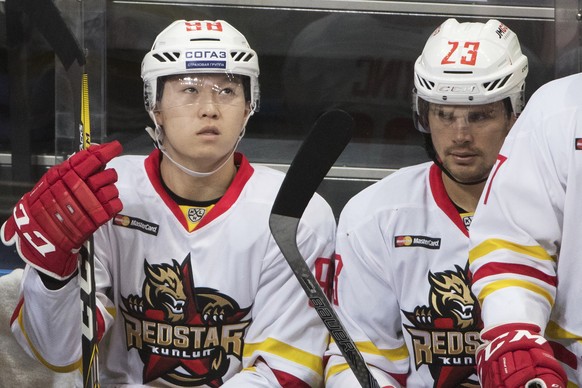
<point>401,281</point>
<point>525,246</point>
<point>192,289</point>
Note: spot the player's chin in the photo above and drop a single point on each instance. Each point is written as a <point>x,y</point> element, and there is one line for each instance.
<point>469,173</point>
<point>207,150</point>
<point>470,178</point>
<point>213,156</point>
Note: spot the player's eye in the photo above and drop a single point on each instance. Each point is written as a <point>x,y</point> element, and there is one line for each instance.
<point>191,90</point>
<point>227,91</point>
<point>478,116</point>
<point>445,116</point>
<point>481,115</point>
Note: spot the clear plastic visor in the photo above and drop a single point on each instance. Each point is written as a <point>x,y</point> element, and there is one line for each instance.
<point>187,90</point>
<point>473,116</point>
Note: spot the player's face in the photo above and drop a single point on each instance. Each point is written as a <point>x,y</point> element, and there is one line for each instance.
<point>202,116</point>
<point>467,138</point>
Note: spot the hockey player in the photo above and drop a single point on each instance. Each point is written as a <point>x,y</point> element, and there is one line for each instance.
<point>525,246</point>
<point>402,286</point>
<point>192,289</point>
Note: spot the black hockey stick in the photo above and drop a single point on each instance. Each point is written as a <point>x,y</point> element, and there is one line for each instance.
<point>326,141</point>
<point>51,24</point>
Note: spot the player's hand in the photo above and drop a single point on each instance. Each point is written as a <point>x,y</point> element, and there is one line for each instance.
<point>515,355</point>
<point>69,203</point>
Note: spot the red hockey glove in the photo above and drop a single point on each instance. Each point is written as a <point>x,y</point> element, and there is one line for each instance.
<point>513,355</point>
<point>50,223</point>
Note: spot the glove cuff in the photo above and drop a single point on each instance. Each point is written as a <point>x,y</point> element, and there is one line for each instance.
<point>64,273</point>
<point>493,332</point>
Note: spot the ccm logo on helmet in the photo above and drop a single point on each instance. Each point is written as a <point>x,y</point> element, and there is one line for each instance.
<point>457,89</point>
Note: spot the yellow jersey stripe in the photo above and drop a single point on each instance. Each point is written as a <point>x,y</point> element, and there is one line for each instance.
<point>500,284</point>
<point>390,354</point>
<point>494,244</point>
<point>555,331</point>
<point>286,351</point>
<point>397,354</point>
<point>336,369</point>
<point>61,369</point>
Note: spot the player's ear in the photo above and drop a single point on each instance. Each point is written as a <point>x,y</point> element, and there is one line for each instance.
<point>159,117</point>
<point>512,119</point>
<point>248,110</point>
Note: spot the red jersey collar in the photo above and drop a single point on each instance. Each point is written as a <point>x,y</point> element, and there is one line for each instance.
<point>442,199</point>
<point>245,171</point>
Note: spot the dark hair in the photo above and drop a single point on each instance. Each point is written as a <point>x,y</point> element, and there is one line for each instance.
<point>246,80</point>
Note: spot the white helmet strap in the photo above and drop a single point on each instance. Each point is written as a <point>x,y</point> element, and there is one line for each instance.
<point>157,136</point>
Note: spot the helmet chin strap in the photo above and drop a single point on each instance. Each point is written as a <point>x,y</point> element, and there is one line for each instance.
<point>157,136</point>
<point>448,173</point>
<point>429,147</point>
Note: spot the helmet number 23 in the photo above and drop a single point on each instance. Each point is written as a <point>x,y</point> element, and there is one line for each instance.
<point>468,53</point>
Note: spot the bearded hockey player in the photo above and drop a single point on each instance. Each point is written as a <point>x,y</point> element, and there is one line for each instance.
<point>192,289</point>
<point>402,286</point>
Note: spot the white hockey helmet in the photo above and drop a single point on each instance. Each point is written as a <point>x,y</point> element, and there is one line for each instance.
<point>199,46</point>
<point>470,64</point>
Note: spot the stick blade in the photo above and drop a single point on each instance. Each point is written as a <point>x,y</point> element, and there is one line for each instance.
<point>329,136</point>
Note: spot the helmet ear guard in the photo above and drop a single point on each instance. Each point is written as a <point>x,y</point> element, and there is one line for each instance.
<point>420,113</point>
<point>469,64</point>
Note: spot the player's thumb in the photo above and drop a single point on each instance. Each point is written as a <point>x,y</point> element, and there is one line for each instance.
<point>107,151</point>
<point>8,231</point>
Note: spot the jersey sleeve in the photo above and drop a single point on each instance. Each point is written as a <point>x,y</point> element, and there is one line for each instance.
<point>47,323</point>
<point>366,304</point>
<point>286,341</point>
<point>516,232</point>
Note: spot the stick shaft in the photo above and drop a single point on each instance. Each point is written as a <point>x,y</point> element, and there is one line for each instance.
<point>88,296</point>
<point>284,232</point>
<point>326,141</point>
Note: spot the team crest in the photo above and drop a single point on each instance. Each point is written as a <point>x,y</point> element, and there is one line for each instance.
<point>467,219</point>
<point>184,335</point>
<point>445,334</point>
<point>195,214</point>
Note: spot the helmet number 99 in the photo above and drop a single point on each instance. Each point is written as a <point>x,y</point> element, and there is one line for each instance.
<point>469,53</point>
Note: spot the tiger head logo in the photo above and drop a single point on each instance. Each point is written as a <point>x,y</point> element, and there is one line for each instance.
<point>185,335</point>
<point>163,287</point>
<point>445,333</point>
<point>451,297</point>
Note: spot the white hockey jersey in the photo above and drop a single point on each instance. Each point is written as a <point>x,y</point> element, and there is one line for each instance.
<point>401,284</point>
<point>526,241</point>
<point>190,309</point>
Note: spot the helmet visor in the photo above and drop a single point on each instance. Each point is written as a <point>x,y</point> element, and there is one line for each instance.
<point>186,90</point>
<point>452,117</point>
